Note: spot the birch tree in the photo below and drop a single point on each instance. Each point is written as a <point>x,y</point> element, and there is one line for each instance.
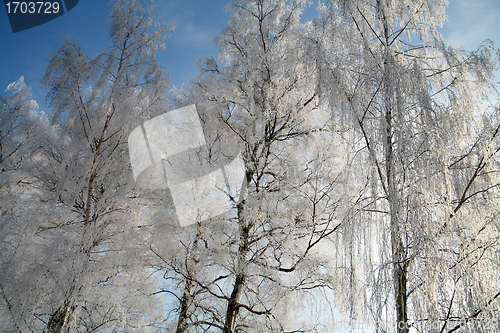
<point>237,272</point>
<point>86,222</point>
<point>259,100</point>
<point>24,135</point>
<point>430,139</point>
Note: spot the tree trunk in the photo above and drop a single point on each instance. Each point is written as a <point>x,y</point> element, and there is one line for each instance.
<point>233,305</point>
<point>182,323</point>
<point>391,101</point>
<point>397,246</point>
<point>187,296</point>
<point>58,320</point>
<point>399,275</point>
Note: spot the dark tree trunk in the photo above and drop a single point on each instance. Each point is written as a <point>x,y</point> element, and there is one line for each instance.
<point>58,320</point>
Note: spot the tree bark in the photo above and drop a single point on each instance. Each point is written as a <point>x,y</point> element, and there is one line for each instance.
<point>397,246</point>
<point>58,319</point>
<point>187,295</point>
<point>233,305</point>
<point>399,276</point>
<point>391,101</point>
<point>182,323</point>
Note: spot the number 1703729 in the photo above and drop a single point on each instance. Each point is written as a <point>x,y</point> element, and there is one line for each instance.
<point>38,7</point>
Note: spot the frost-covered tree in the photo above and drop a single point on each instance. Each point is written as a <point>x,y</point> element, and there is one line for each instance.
<point>77,268</point>
<point>18,114</point>
<point>238,272</point>
<point>24,135</point>
<point>426,141</point>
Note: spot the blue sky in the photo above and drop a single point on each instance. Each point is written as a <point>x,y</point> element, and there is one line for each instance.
<point>26,53</point>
